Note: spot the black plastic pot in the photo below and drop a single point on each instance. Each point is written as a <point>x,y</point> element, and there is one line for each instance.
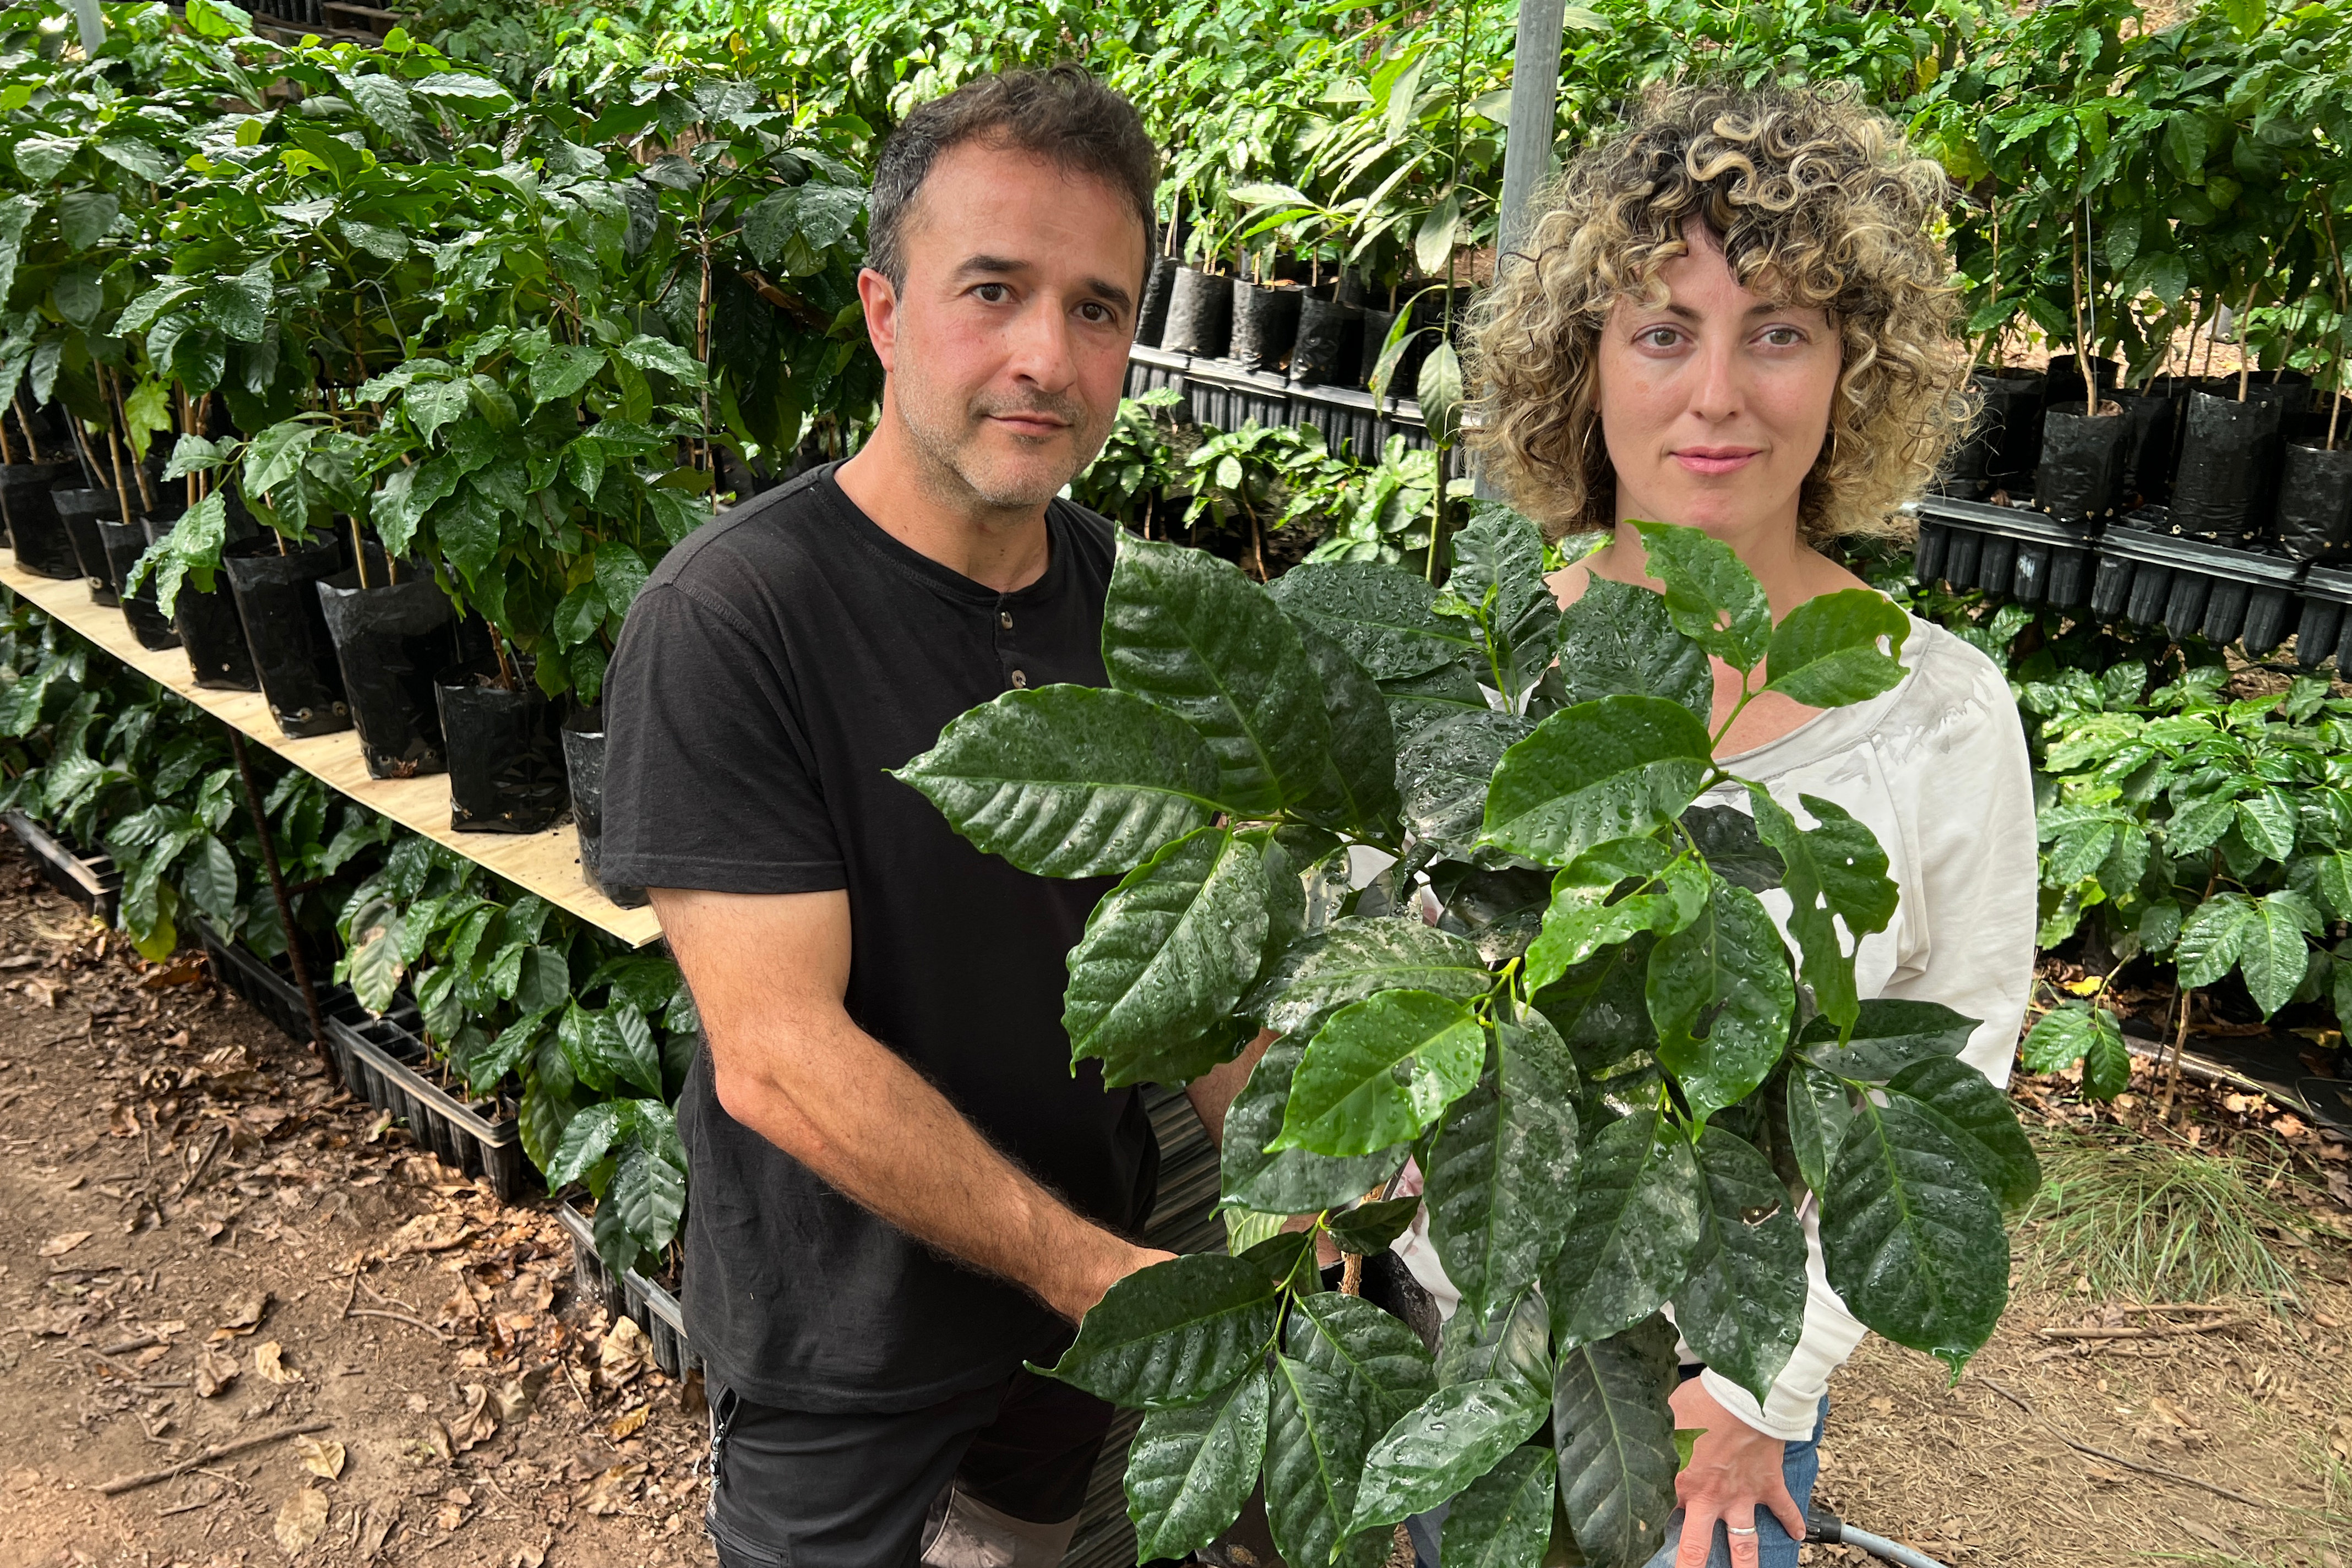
<point>2064,380</point>
<point>2149,447</point>
<point>125,543</point>
<point>285,630</point>
<point>583,765</point>
<point>2009,550</point>
<point>390,641</point>
<point>1151,318</point>
<point>1266,324</point>
<point>214,637</point>
<point>34,530</point>
<point>2081,465</point>
<point>505,752</point>
<point>2012,422</point>
<point>2228,458</point>
<point>2193,587</point>
<point>80,511</point>
<point>384,1062</point>
<point>1329,341</point>
<point>2315,503</point>
<point>1200,314</point>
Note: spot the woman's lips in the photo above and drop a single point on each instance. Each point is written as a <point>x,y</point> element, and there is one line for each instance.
<point>1715,459</point>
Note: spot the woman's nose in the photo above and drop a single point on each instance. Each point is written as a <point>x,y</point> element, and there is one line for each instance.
<point>1715,393</point>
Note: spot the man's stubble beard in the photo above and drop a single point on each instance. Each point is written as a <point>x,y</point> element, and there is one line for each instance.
<point>945,448</point>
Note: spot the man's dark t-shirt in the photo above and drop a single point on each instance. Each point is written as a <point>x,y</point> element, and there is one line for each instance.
<point>776,663</point>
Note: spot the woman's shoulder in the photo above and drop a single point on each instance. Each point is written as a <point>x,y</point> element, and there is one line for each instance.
<point>1955,701</point>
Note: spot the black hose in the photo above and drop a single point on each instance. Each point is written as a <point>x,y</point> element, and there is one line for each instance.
<point>1824,1527</point>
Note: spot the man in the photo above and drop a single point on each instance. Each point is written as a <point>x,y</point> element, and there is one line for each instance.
<point>900,1190</point>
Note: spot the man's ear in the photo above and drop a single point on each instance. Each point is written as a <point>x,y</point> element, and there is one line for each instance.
<point>881,302</point>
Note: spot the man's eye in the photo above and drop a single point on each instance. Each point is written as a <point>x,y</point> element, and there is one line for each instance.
<point>992,293</point>
<point>1096,311</point>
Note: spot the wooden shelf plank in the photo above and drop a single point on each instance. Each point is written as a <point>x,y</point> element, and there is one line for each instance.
<point>545,863</point>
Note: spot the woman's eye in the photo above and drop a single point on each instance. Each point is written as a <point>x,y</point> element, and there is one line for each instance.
<point>1659,337</point>
<point>1783,337</point>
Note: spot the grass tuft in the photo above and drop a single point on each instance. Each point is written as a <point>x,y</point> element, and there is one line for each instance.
<point>2149,1221</point>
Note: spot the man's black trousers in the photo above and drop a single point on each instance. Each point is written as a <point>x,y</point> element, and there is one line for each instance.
<point>796,1488</point>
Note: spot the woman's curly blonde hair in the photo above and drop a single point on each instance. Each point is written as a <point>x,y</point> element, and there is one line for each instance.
<point>1807,190</point>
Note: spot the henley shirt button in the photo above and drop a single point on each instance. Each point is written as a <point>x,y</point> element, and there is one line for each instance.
<point>1004,619</point>
<point>1020,680</point>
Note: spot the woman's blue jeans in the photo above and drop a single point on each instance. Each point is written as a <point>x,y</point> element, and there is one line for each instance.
<point>1800,1466</point>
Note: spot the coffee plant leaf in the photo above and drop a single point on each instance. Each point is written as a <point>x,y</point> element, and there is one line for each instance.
<point>1889,1034</point>
<point>1504,1519</point>
<point>1359,789</point>
<point>1502,1179</point>
<point>1637,1222</point>
<point>1191,1468</point>
<point>1727,838</point>
<point>1617,638</point>
<point>1449,1440</point>
<point>1743,1306</point>
<point>1380,613</point>
<point>1514,1342</point>
<point>1173,1333</point>
<point>1189,632</point>
<point>1600,1008</point>
<point>1498,567</point>
<point>1727,971</point>
<point>1069,780</point>
<point>1165,956</point>
<point>1315,1442</point>
<point>1835,876</point>
<point>1381,1362</point>
<point>1617,768</point>
<point>1443,770</point>
<point>1581,918</point>
<point>650,1195</point>
<point>1825,653</point>
<point>1379,1071</point>
<point>2272,951</point>
<point>1976,1118</point>
<point>1615,1440</point>
<point>1820,1110</point>
<point>1290,1181</point>
<point>1912,1240</point>
<point>1369,1228</point>
<point>1416,702</point>
<point>1353,958</point>
<point>1711,597</point>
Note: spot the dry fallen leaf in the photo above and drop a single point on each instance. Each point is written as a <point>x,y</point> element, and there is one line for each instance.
<point>611,1492</point>
<point>629,1424</point>
<point>44,991</point>
<point>450,1517</point>
<point>323,1460</point>
<point>514,1399</point>
<point>528,1557</point>
<point>214,1372</point>
<point>266,1362</point>
<point>428,1233</point>
<point>381,1518</point>
<point>625,1354</point>
<point>59,1244</point>
<point>151,1355</point>
<point>476,1425</point>
<point>301,1520</point>
<point>243,1313</point>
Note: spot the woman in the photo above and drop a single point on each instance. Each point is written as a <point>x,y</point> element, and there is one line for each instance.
<point>1735,315</point>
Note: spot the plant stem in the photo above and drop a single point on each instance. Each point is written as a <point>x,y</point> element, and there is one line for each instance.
<point>122,490</point>
<point>7,455</point>
<point>138,469</point>
<point>2343,310</point>
<point>359,554</point>
<point>2082,350</point>
<point>2245,362</point>
<point>26,425</point>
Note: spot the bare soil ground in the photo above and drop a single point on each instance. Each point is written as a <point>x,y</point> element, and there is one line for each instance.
<point>201,1243</point>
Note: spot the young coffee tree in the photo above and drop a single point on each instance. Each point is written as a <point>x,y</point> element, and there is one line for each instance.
<point>1615,1079</point>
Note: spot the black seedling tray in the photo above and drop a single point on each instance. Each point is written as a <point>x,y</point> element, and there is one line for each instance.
<point>630,1295</point>
<point>2191,587</point>
<point>271,991</point>
<point>93,881</point>
<point>386,1062</point>
<point>2326,624</point>
<point>1228,396</point>
<point>2023,555</point>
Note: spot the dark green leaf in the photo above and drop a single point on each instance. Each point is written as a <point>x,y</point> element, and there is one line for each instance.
<point>1353,958</point>
<point>1360,782</point>
<point>1166,956</point>
<point>1835,876</point>
<point>1291,1181</point>
<point>1820,1112</point>
<point>1911,1238</point>
<point>1711,597</point>
<point>1069,780</point>
<point>1443,770</point>
<point>585,1139</point>
<point>1316,1441</point>
<point>1618,638</point>
<point>1824,653</point>
<point>1380,613</point>
<point>1502,1177</point>
<point>1188,631</point>
<point>1379,1071</point>
<point>1585,915</point>
<point>1599,1010</point>
<point>1370,1227</point>
<point>1515,1343</point>
<point>1638,1218</point>
<point>1977,1118</point>
<point>1618,768</point>
<point>1380,1361</point>
<point>1889,1034</point>
<point>1727,836</point>
<point>1615,1437</point>
<point>1192,1468</point>
<point>1719,993</point>
<point>1416,701</point>
<point>650,1193</point>
<point>1449,1440</point>
<point>1504,1520</point>
<point>1173,1333</point>
<point>1743,1306</point>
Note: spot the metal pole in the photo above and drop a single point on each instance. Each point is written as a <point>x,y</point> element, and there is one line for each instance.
<point>1527,149</point>
<point>285,908</point>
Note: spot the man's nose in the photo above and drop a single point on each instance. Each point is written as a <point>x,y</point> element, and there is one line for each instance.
<point>1041,347</point>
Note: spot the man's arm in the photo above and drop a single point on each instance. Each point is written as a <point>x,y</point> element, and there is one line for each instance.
<point>1213,1092</point>
<point>769,973</point>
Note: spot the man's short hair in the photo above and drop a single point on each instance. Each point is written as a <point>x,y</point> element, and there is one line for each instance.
<point>1061,113</point>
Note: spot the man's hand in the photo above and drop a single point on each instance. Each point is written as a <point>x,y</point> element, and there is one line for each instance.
<point>1734,1470</point>
<point>769,973</point>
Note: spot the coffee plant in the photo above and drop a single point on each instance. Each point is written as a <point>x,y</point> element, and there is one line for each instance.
<point>1616,1079</point>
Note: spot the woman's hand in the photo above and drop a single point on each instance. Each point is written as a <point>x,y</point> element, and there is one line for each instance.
<point>1734,1470</point>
